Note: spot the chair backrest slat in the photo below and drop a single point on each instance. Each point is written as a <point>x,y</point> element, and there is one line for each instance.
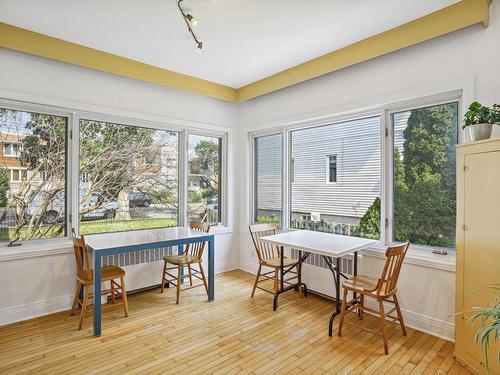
<point>196,249</point>
<point>395,256</point>
<point>83,267</point>
<point>264,250</point>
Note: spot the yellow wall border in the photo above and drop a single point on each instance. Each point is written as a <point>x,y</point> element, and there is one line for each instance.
<point>23,40</point>
<point>455,17</point>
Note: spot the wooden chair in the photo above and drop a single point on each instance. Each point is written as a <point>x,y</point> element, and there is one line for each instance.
<point>269,256</point>
<point>382,289</point>
<point>85,277</point>
<point>192,255</point>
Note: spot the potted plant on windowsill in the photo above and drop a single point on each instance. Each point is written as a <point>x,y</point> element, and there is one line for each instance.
<point>480,119</point>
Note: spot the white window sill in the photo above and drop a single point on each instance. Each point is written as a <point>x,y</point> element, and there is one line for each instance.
<point>418,256</point>
<point>38,248</point>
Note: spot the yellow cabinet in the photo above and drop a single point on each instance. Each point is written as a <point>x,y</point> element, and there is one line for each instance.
<point>478,245</point>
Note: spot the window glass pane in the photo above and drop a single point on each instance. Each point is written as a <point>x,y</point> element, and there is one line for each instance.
<point>332,168</point>
<point>268,178</point>
<point>204,178</point>
<point>351,206</point>
<point>32,175</point>
<point>424,175</point>
<point>128,177</point>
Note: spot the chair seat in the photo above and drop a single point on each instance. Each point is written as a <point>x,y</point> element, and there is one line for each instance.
<point>276,262</point>
<point>360,283</point>
<point>181,259</point>
<point>107,273</point>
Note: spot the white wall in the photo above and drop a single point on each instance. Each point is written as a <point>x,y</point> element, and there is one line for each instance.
<point>45,284</point>
<point>468,59</point>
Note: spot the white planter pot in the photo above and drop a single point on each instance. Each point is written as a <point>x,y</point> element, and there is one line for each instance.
<point>479,132</point>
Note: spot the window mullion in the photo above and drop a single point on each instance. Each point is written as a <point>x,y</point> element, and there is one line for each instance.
<point>183,180</point>
<point>286,182</point>
<point>73,174</point>
<point>386,166</point>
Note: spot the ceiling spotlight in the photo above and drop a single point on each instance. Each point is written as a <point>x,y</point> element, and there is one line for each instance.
<point>199,47</point>
<point>193,21</point>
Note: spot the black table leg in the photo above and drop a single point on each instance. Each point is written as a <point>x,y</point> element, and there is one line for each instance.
<point>337,296</point>
<point>299,283</point>
<point>355,272</point>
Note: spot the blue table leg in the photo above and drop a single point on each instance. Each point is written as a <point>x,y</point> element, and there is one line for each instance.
<point>211,266</point>
<point>180,250</point>
<point>97,295</point>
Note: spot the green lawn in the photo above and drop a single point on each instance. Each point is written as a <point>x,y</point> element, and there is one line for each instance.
<point>99,226</point>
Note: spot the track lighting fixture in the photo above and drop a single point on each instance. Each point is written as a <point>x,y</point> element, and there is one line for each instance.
<point>191,22</point>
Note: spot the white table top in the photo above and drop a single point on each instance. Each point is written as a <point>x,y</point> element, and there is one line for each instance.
<point>328,244</point>
<point>132,238</point>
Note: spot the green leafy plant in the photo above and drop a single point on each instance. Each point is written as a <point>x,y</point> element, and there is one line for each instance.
<point>481,114</point>
<point>489,320</point>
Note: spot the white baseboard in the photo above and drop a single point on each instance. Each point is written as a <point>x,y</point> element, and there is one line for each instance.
<point>420,322</point>
<point>423,323</point>
<point>27,311</point>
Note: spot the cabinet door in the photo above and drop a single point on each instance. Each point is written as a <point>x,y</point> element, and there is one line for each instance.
<point>481,262</point>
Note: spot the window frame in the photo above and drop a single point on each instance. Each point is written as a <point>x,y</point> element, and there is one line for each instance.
<point>222,167</point>
<point>253,169</point>
<point>54,111</point>
<point>328,173</point>
<point>73,162</point>
<point>386,139</point>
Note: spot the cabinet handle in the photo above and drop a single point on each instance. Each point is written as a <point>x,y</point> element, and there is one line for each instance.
<point>465,227</point>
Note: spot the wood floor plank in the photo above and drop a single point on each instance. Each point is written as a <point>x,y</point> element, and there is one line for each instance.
<point>234,334</point>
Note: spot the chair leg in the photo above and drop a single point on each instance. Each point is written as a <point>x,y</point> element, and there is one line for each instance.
<point>203,277</point>
<point>400,315</point>
<point>342,312</point>
<point>113,297</point>
<point>75,300</point>
<point>124,296</point>
<point>190,275</point>
<point>84,305</point>
<point>383,329</point>
<point>178,284</point>
<point>256,280</point>
<point>163,275</point>
<point>362,303</point>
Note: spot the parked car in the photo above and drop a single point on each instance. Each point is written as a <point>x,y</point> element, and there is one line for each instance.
<point>105,211</point>
<point>55,211</point>
<point>138,199</point>
<point>212,204</point>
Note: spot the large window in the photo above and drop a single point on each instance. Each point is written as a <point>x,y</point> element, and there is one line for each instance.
<point>32,175</point>
<point>424,190</point>
<point>323,200</point>
<point>390,176</point>
<point>204,178</point>
<point>128,177</point>
<point>268,178</point>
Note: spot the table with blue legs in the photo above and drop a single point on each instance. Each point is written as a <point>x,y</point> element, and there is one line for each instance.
<point>104,244</point>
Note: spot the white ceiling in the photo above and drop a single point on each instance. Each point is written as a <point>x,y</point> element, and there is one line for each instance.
<point>244,40</point>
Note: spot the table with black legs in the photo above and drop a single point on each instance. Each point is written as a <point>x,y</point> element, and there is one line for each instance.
<point>126,242</point>
<point>332,247</point>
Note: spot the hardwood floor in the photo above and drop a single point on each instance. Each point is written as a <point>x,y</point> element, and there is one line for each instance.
<point>232,335</point>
